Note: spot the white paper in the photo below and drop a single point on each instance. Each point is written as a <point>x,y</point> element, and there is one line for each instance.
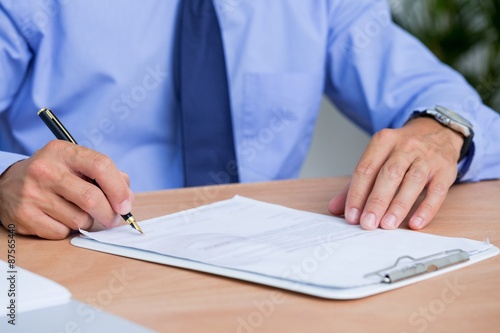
<point>28,291</point>
<point>273,240</point>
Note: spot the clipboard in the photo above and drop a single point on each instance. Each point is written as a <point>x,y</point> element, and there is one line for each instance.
<point>328,293</point>
<point>404,270</point>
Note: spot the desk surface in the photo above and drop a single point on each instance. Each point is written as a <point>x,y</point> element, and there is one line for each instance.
<point>165,298</point>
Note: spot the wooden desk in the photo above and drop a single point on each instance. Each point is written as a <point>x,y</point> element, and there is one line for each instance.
<point>176,300</point>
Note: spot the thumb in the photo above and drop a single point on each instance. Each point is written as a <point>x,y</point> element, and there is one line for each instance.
<point>336,206</point>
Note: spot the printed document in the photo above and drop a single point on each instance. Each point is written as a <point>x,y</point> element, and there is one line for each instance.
<point>271,240</point>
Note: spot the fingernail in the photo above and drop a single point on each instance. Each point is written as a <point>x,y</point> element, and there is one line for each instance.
<point>369,221</point>
<point>390,221</point>
<point>418,222</point>
<point>125,207</point>
<point>352,215</point>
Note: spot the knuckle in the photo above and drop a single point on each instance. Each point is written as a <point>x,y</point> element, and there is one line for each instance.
<point>438,189</point>
<point>365,169</point>
<point>59,149</point>
<point>378,201</point>
<point>54,145</point>
<point>401,204</point>
<point>40,169</point>
<point>428,208</point>
<point>79,220</point>
<point>417,175</point>
<point>384,135</point>
<point>393,171</point>
<point>72,153</point>
<point>88,199</point>
<point>356,196</point>
<point>56,233</point>
<point>102,163</point>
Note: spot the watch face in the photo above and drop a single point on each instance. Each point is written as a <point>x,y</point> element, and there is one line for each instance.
<point>453,116</point>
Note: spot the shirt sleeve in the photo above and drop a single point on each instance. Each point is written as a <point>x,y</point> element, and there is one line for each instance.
<point>378,75</point>
<point>15,56</point>
<point>7,159</point>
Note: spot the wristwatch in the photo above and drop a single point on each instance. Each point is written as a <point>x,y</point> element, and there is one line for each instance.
<point>453,121</point>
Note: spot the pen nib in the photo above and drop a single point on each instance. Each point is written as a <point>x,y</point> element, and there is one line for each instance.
<point>133,223</point>
<point>138,228</point>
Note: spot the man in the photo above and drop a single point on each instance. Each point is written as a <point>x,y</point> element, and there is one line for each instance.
<point>107,70</point>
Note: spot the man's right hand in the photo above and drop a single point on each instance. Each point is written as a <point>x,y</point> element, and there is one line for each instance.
<point>49,194</point>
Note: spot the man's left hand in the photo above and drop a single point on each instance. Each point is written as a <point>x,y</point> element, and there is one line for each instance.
<point>397,165</point>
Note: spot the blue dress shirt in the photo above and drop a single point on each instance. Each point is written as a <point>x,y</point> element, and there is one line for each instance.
<point>105,68</point>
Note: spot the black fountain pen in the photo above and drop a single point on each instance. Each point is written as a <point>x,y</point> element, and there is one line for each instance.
<point>62,134</point>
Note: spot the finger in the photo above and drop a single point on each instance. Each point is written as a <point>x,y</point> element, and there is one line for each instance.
<point>49,228</point>
<point>336,206</point>
<point>436,192</point>
<point>387,183</point>
<point>413,184</point>
<point>126,178</point>
<point>37,223</point>
<point>365,174</point>
<point>88,198</point>
<point>67,213</point>
<point>102,169</point>
<point>23,200</point>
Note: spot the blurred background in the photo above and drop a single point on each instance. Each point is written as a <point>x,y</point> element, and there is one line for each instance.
<point>465,34</point>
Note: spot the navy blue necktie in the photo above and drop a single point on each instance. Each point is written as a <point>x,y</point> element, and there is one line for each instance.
<point>208,145</point>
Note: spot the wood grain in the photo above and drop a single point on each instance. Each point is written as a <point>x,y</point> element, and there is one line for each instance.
<point>168,299</point>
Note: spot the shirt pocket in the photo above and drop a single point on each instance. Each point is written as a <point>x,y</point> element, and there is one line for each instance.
<point>279,114</point>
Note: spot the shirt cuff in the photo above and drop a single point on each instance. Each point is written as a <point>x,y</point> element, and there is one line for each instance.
<point>7,159</point>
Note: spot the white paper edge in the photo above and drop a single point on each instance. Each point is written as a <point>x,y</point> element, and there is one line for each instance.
<point>330,293</point>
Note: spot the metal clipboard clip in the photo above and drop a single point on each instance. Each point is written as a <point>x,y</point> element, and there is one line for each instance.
<point>404,269</point>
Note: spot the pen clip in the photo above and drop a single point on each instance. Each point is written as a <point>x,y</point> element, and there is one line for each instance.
<point>55,126</point>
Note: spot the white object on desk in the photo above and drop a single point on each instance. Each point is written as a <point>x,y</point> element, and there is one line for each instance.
<point>28,291</point>
<point>286,248</point>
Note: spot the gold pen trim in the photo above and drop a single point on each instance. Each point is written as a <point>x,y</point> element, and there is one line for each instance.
<point>132,221</point>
